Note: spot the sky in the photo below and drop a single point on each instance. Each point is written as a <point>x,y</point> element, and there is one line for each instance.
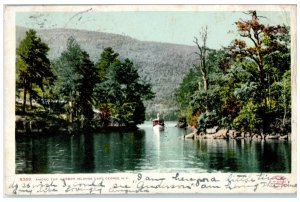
<point>178,27</point>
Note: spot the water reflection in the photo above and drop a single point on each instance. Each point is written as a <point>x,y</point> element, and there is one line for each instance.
<point>118,151</point>
<point>243,155</point>
<point>147,151</point>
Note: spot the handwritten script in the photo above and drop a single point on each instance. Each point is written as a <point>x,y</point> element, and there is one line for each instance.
<point>148,183</point>
<point>257,181</point>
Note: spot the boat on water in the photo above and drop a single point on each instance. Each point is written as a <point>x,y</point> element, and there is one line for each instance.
<point>158,124</point>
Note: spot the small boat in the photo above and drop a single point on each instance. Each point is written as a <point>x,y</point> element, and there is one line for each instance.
<point>158,123</point>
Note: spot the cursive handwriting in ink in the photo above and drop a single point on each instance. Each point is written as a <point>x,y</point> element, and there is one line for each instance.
<point>126,189</point>
<point>255,182</point>
<point>197,181</point>
<point>148,183</point>
<point>43,187</point>
<point>143,186</point>
<point>95,187</point>
<point>241,181</point>
<point>240,178</point>
<point>147,178</point>
<point>14,187</point>
<point>22,188</point>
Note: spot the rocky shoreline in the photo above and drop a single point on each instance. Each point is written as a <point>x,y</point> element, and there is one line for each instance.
<point>214,133</point>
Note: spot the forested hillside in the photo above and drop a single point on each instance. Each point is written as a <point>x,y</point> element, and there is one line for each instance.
<point>163,65</point>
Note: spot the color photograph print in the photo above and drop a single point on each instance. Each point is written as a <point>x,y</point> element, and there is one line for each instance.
<point>140,99</point>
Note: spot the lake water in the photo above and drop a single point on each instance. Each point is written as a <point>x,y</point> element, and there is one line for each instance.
<point>148,151</point>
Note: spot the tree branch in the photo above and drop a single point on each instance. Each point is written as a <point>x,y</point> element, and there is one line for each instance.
<point>250,37</point>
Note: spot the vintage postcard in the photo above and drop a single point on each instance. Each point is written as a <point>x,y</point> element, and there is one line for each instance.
<point>150,99</point>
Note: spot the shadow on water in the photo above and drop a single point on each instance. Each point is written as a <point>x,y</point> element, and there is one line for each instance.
<point>118,151</point>
<point>83,153</point>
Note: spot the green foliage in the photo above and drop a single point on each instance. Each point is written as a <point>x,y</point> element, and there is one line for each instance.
<point>107,58</point>
<point>77,77</point>
<point>33,67</point>
<point>249,118</point>
<point>265,60</point>
<point>182,120</point>
<point>245,89</point>
<point>123,91</point>
<point>187,88</point>
<point>249,83</point>
<point>86,83</point>
<point>66,69</point>
<point>190,95</point>
<point>207,120</point>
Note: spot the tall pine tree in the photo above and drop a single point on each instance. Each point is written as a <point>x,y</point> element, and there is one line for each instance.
<point>77,77</point>
<point>33,66</point>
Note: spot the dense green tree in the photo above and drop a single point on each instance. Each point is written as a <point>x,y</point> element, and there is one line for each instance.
<point>77,77</point>
<point>86,83</point>
<point>33,67</point>
<point>185,97</point>
<point>122,93</point>
<point>65,66</point>
<point>264,56</point>
<point>187,88</point>
<point>264,43</point>
<point>107,58</point>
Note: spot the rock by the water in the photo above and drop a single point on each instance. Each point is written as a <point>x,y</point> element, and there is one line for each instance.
<point>283,137</point>
<point>208,136</point>
<point>211,130</point>
<point>221,134</point>
<point>190,136</point>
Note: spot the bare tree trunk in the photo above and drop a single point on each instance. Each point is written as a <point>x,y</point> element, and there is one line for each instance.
<point>205,80</point>
<point>257,42</point>
<point>24,97</point>
<point>284,117</point>
<point>202,60</point>
<point>30,95</point>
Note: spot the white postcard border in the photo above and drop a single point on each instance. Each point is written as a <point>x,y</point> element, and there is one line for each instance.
<point>41,184</point>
